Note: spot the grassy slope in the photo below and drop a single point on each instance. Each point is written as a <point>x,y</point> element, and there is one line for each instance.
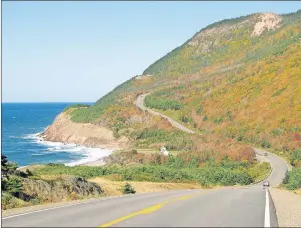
<point>241,76</point>
<point>232,87</point>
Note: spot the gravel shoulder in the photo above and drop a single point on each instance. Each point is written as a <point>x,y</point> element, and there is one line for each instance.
<point>288,207</point>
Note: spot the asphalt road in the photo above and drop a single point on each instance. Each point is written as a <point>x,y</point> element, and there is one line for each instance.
<point>227,207</point>
<point>140,104</point>
<point>249,206</point>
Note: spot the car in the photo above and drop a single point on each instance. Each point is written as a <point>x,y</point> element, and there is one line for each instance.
<point>266,184</point>
<point>265,154</point>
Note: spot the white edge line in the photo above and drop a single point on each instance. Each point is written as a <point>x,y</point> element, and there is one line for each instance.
<point>267,221</point>
<point>90,201</point>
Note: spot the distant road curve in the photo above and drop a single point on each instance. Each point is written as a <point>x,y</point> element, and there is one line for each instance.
<point>140,104</point>
<point>278,165</point>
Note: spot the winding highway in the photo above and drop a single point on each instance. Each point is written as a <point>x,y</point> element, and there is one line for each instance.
<point>248,206</point>
<point>140,104</point>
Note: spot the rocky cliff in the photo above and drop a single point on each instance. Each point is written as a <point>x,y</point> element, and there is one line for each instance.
<point>92,135</point>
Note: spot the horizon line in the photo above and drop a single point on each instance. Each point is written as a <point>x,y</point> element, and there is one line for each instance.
<point>3,102</point>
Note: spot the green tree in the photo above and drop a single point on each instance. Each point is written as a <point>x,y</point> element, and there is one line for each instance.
<point>7,168</point>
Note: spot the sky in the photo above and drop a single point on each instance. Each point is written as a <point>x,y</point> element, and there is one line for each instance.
<point>79,51</point>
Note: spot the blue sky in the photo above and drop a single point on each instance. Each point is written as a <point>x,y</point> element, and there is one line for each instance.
<point>79,51</point>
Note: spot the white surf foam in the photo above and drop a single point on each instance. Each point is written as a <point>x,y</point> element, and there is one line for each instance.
<point>91,154</point>
<point>88,154</point>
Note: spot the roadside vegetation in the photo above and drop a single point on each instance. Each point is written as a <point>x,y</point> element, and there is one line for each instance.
<point>292,180</point>
<point>184,168</point>
<point>128,189</point>
<point>153,102</point>
<point>56,182</point>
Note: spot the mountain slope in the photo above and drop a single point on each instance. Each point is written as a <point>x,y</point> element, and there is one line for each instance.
<point>236,81</point>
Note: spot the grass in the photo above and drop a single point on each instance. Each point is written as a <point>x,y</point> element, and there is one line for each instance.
<point>112,187</point>
<point>260,171</point>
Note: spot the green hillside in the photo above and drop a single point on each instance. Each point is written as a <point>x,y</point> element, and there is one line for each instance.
<point>236,82</point>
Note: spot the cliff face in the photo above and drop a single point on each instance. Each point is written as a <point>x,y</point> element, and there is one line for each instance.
<point>92,135</point>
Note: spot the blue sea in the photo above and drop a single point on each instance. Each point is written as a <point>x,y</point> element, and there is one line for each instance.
<point>21,124</point>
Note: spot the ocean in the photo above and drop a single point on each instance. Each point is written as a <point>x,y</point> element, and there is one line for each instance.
<point>21,124</point>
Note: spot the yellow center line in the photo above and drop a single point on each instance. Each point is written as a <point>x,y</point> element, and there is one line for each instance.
<point>147,210</point>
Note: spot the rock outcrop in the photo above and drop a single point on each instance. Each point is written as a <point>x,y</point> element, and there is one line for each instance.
<point>53,191</point>
<point>91,135</point>
<point>268,21</point>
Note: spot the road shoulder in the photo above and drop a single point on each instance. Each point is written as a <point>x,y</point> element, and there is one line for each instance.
<point>288,207</point>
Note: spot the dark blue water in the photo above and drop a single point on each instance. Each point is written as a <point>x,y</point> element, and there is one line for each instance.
<point>20,124</point>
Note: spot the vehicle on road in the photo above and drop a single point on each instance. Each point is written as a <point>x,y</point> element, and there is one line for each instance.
<point>266,184</point>
<point>265,154</point>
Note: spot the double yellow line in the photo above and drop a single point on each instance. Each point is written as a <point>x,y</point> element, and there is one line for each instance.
<point>147,210</point>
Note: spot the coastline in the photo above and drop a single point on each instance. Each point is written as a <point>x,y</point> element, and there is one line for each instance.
<point>90,155</point>
<point>90,142</point>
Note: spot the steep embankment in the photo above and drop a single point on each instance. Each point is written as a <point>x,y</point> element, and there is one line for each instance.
<point>64,130</point>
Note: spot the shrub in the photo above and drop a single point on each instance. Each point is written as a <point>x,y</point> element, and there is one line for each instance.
<point>218,120</point>
<point>200,110</point>
<point>185,119</point>
<point>13,185</point>
<point>292,179</point>
<point>128,189</point>
<point>204,182</point>
<point>7,168</point>
<point>35,201</point>
<point>295,157</point>
<point>6,199</point>
<point>240,137</point>
<point>28,172</point>
<point>265,143</point>
<point>205,118</point>
<point>276,132</point>
<point>134,151</point>
<point>116,134</point>
<point>229,115</point>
